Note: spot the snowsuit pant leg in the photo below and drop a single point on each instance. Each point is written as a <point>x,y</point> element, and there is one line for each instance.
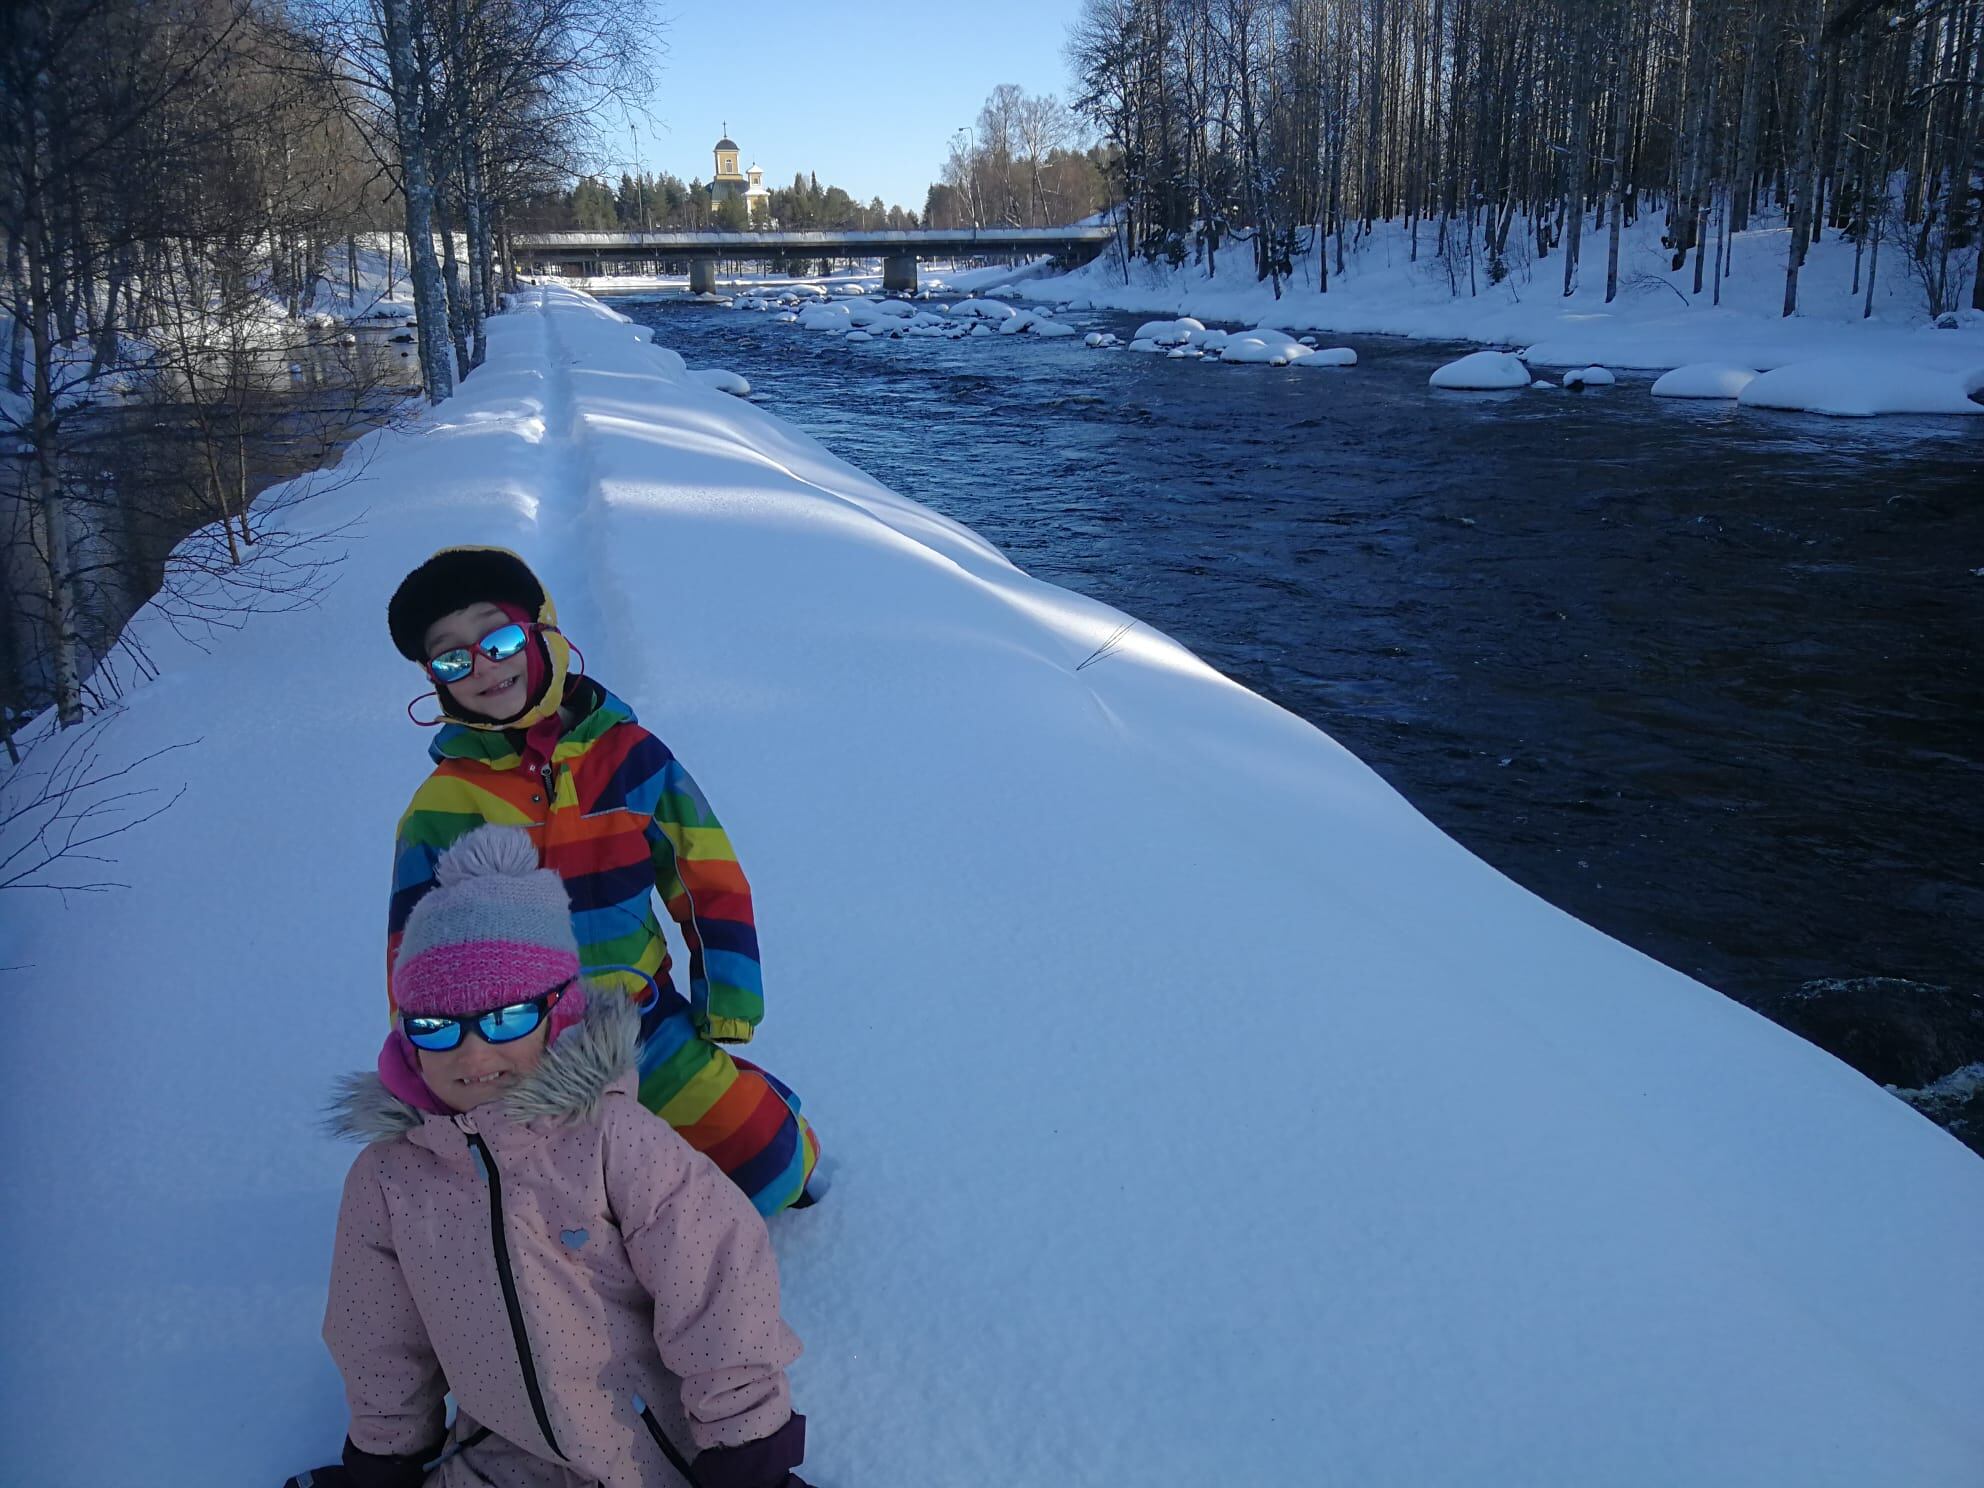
<point>741,1117</point>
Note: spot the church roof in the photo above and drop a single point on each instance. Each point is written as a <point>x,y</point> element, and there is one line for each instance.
<point>726,143</point>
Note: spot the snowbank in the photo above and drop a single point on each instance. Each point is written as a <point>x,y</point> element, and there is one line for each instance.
<point>1861,387</point>
<point>717,378</point>
<point>1256,1133</point>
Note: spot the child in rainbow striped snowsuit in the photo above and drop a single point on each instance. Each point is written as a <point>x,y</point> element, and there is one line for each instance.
<point>617,816</point>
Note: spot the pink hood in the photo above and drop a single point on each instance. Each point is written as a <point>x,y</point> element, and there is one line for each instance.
<point>635,1265</point>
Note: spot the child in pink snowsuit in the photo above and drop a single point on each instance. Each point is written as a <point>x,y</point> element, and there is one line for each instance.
<point>522,1233</point>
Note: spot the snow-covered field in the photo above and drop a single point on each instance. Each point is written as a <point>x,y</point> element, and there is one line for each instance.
<point>1204,1115</point>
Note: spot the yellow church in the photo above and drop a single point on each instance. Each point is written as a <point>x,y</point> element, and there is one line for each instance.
<point>729,183</point>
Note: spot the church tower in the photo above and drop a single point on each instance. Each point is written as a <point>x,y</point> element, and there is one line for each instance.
<point>728,180</point>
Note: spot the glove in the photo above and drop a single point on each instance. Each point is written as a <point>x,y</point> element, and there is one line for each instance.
<point>765,1463</point>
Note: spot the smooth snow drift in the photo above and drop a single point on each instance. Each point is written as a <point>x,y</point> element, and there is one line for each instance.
<point>1204,1115</point>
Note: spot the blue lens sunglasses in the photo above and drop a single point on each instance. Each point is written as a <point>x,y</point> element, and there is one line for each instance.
<point>503,1025</point>
<point>500,644</point>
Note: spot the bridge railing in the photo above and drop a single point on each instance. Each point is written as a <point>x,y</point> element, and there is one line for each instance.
<point>743,242</point>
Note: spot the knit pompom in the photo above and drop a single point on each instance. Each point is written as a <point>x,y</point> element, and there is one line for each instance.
<point>490,850</point>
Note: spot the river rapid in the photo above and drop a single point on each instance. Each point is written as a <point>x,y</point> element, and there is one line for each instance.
<point>1707,678</point>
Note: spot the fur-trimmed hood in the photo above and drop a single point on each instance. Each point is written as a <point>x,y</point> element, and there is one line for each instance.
<point>577,1071</point>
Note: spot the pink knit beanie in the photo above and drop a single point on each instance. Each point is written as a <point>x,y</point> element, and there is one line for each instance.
<point>495,929</point>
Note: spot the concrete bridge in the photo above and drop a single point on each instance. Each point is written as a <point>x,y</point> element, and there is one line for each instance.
<point>899,250</point>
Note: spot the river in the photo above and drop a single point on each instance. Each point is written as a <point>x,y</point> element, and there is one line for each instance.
<point>1707,678</point>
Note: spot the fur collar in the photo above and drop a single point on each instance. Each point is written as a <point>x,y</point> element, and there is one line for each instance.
<point>568,1083</point>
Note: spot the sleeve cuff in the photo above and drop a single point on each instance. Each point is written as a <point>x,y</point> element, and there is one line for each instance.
<point>728,1030</point>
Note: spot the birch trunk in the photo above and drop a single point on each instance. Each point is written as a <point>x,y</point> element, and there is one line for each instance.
<point>430,302</point>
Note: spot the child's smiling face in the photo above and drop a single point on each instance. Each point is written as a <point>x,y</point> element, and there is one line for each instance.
<point>495,689</point>
<point>476,1071</point>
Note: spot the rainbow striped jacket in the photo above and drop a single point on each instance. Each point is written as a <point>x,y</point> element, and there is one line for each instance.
<point>618,818</point>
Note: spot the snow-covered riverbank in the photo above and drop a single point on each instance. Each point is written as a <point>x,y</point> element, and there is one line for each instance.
<point>1656,322</point>
<point>1203,1112</point>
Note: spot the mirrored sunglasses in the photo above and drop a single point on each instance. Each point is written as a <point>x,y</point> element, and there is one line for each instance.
<point>503,1025</point>
<point>499,645</point>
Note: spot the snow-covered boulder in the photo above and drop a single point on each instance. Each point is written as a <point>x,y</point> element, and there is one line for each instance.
<point>1329,356</point>
<point>1168,332</point>
<point>826,318</point>
<point>1144,343</point>
<point>1704,380</point>
<point>1211,342</point>
<point>859,336</point>
<point>807,291</point>
<point>1482,372</point>
<point>720,380</point>
<point>1862,387</point>
<point>1265,346</point>
<point>894,309</point>
<point>788,318</point>
<point>987,310</point>
<point>1584,377</point>
<point>1180,353</point>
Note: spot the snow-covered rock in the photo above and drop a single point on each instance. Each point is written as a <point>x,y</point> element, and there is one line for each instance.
<point>1168,332</point>
<point>835,317</point>
<point>986,310</point>
<point>1584,377</point>
<point>1329,356</point>
<point>1144,343</point>
<point>859,336</point>
<point>1704,380</point>
<point>1482,372</point>
<point>1265,345</point>
<point>1862,387</point>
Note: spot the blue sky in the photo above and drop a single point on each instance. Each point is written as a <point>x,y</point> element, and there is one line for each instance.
<point>865,95</point>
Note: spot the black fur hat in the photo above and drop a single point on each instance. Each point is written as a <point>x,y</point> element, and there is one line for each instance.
<point>453,579</point>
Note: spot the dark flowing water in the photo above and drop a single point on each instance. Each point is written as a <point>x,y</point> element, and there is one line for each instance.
<point>1707,678</point>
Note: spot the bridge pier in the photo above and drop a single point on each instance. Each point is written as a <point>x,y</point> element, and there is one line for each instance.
<point>702,276</point>
<point>899,273</point>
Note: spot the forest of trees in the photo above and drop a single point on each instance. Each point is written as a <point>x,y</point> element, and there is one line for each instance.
<point>1026,164</point>
<point>178,185</point>
<point>1498,129</point>
<point>660,203</point>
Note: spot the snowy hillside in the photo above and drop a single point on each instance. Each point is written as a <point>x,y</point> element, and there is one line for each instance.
<point>1204,1115</point>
